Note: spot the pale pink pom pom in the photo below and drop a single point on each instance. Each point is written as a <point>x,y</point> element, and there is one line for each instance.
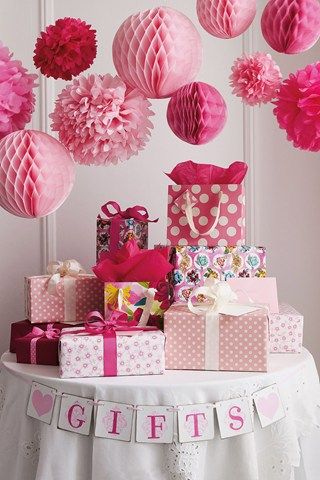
<point>291,26</point>
<point>226,18</point>
<point>157,51</point>
<point>255,78</point>
<point>298,107</point>
<point>101,121</point>
<point>36,173</point>
<point>16,96</point>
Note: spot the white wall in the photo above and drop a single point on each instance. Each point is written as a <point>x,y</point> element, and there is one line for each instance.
<point>274,191</point>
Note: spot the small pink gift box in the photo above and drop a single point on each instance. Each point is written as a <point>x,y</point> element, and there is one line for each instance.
<point>218,342</point>
<point>286,330</point>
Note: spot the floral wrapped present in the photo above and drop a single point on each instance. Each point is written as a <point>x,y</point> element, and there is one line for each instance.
<point>226,337</point>
<point>111,348</point>
<point>38,346</point>
<point>65,295</point>
<point>193,265</point>
<point>117,227</point>
<point>286,330</point>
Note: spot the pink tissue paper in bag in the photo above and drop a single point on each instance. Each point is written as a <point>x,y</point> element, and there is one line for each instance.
<point>190,173</point>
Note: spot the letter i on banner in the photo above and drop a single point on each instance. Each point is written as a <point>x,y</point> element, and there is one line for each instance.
<point>41,402</point>
<point>269,405</point>
<point>235,417</point>
<point>114,420</point>
<point>75,414</point>
<point>195,422</point>
<point>154,424</point>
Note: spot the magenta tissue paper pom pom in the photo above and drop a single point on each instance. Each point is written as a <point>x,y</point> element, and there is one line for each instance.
<point>65,49</point>
<point>17,99</point>
<point>157,51</point>
<point>291,26</point>
<point>102,121</point>
<point>255,78</point>
<point>36,173</point>
<point>197,113</point>
<point>226,18</point>
<point>298,107</point>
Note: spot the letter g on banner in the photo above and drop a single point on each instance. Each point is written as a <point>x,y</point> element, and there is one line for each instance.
<point>75,414</point>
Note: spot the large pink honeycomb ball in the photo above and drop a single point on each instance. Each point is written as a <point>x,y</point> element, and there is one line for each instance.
<point>157,51</point>
<point>291,26</point>
<point>36,173</point>
<point>226,18</point>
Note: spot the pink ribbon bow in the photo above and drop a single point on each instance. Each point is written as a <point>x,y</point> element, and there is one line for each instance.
<point>35,335</point>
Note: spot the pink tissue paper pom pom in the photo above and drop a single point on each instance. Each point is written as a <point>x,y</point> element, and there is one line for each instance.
<point>298,107</point>
<point>101,120</point>
<point>255,78</point>
<point>17,99</point>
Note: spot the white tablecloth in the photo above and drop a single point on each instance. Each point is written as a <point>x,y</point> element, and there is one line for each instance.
<point>32,450</point>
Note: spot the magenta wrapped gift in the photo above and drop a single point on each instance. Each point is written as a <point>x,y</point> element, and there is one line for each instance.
<point>207,205</point>
<point>119,226</point>
<point>194,265</point>
<point>286,330</point>
<point>38,347</point>
<point>111,347</point>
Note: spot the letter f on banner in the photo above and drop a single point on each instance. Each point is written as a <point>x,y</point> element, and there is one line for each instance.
<point>154,424</point>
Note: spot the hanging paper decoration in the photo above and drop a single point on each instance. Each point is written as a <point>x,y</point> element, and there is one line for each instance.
<point>36,173</point>
<point>255,78</point>
<point>17,99</point>
<point>102,121</point>
<point>65,49</point>
<point>226,18</point>
<point>197,113</point>
<point>298,107</point>
<point>157,51</point>
<point>291,26</point>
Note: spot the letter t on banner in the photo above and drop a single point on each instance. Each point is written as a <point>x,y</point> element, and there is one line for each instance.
<point>195,422</point>
<point>75,414</point>
<point>154,424</point>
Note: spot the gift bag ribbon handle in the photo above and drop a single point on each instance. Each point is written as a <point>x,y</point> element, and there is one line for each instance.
<point>189,214</point>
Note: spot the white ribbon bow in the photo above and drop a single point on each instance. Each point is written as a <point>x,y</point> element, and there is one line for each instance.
<point>220,295</point>
<point>58,270</point>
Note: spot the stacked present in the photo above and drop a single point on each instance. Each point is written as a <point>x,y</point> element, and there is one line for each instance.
<point>207,286</point>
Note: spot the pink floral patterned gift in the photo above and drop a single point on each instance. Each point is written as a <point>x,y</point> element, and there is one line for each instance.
<point>286,330</point>
<point>111,348</point>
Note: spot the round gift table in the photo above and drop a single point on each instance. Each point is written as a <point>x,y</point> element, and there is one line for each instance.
<point>286,450</point>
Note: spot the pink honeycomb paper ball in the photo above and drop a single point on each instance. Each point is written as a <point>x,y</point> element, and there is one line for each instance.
<point>226,18</point>
<point>291,26</point>
<point>197,113</point>
<point>157,51</point>
<point>36,173</point>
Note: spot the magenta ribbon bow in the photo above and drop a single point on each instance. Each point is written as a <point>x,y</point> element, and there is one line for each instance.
<point>137,212</point>
<point>35,335</point>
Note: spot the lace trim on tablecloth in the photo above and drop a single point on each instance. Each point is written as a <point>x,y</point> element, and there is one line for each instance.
<point>31,449</point>
<point>183,460</point>
<point>2,397</point>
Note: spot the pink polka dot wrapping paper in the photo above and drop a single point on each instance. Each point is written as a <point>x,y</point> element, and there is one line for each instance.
<point>67,306</point>
<point>240,344</point>
<point>230,228</point>
<point>194,265</point>
<point>286,330</point>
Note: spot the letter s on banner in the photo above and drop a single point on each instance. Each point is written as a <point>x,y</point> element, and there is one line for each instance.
<point>75,414</point>
<point>235,417</point>
<point>154,424</point>
<point>195,422</point>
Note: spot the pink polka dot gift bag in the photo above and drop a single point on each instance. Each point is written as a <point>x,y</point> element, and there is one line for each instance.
<point>207,205</point>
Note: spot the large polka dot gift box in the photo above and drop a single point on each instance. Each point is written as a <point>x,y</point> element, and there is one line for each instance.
<point>206,215</point>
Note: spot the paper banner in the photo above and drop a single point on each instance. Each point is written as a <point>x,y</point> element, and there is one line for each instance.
<point>234,417</point>
<point>41,402</point>
<point>269,405</point>
<point>75,414</point>
<point>195,422</point>
<point>154,424</point>
<point>114,420</point>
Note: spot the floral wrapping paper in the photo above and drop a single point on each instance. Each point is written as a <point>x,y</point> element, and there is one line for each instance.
<point>193,265</point>
<point>286,330</point>
<point>139,353</point>
<point>129,229</point>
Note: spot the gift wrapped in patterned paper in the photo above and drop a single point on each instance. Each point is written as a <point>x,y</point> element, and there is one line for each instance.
<point>65,295</point>
<point>194,265</point>
<point>286,330</point>
<point>110,348</point>
<point>119,226</point>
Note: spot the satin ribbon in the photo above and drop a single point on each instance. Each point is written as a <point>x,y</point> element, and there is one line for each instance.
<point>96,324</point>
<point>137,212</point>
<point>186,202</point>
<point>35,335</point>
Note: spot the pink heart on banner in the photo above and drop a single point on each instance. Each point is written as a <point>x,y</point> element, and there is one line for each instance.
<point>268,405</point>
<point>42,403</point>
